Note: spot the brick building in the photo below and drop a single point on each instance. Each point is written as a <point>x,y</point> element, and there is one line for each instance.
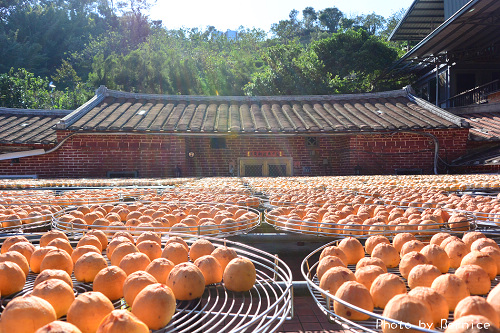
<point>126,134</point>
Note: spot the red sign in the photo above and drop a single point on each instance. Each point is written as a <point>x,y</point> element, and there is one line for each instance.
<point>265,153</point>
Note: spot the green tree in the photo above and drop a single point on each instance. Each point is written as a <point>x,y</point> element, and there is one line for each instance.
<point>72,97</point>
<point>135,6</point>
<point>354,60</point>
<point>310,17</point>
<point>330,18</point>
<point>82,44</point>
<point>306,30</point>
<point>372,23</point>
<point>45,33</point>
<point>66,75</point>
<point>347,23</point>
<point>135,28</point>
<point>391,22</point>
<point>22,89</point>
<point>183,61</point>
<point>290,70</point>
<point>287,30</point>
<point>9,6</point>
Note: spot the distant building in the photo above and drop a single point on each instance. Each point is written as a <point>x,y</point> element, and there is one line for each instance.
<point>231,34</point>
<point>456,60</point>
<point>457,53</point>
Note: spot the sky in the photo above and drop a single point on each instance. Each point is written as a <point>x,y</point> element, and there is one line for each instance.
<point>225,14</point>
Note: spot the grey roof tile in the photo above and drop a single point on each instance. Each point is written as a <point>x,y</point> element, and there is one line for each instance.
<point>393,110</point>
<point>28,126</point>
<point>485,126</point>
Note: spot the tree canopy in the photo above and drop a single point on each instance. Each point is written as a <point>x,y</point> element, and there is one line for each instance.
<point>78,45</point>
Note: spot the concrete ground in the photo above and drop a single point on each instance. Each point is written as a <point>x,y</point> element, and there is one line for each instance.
<point>292,249</point>
<point>308,319</point>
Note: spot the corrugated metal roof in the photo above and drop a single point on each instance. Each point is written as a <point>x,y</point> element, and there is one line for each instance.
<point>20,126</point>
<point>475,26</point>
<point>111,111</point>
<point>420,19</point>
<point>470,34</point>
<point>453,6</point>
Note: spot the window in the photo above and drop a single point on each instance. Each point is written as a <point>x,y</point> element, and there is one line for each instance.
<point>312,141</point>
<point>122,174</point>
<point>218,143</point>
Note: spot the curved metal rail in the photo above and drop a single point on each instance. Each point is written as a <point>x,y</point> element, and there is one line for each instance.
<point>218,230</point>
<point>324,300</point>
<point>361,231</point>
<point>28,225</point>
<point>262,309</point>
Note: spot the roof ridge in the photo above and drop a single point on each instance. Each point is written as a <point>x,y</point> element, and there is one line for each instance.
<point>44,112</point>
<point>71,118</point>
<point>187,98</point>
<point>459,121</point>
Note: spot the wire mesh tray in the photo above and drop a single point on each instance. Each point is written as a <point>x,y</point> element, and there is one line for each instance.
<point>235,227</point>
<point>361,231</point>
<point>67,197</point>
<point>28,225</point>
<point>488,220</point>
<point>324,300</point>
<point>262,309</point>
<point>27,228</point>
<point>198,195</point>
<point>11,184</point>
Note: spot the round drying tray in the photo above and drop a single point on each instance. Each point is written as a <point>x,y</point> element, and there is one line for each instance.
<point>324,300</point>
<point>315,196</point>
<point>262,309</point>
<point>342,229</point>
<point>244,220</point>
<point>66,197</point>
<point>37,223</point>
<point>207,195</point>
<point>488,220</point>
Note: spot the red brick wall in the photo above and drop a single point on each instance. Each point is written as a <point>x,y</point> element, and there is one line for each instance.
<point>157,155</point>
<point>95,155</point>
<point>41,165</point>
<point>384,154</point>
<point>325,159</point>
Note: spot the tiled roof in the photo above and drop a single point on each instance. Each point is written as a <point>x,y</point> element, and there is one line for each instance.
<point>484,126</point>
<point>111,111</point>
<point>20,126</point>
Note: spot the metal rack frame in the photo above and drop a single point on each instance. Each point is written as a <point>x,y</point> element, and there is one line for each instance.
<point>324,300</point>
<point>262,309</point>
<point>339,230</point>
<point>231,229</point>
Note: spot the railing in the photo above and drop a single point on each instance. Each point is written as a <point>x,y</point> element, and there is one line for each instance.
<point>476,95</point>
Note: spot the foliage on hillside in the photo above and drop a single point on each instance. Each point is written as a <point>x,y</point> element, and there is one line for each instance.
<point>79,45</point>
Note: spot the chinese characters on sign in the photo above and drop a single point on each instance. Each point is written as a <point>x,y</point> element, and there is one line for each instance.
<point>265,153</point>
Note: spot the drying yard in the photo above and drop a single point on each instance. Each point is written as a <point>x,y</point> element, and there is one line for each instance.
<point>236,254</point>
